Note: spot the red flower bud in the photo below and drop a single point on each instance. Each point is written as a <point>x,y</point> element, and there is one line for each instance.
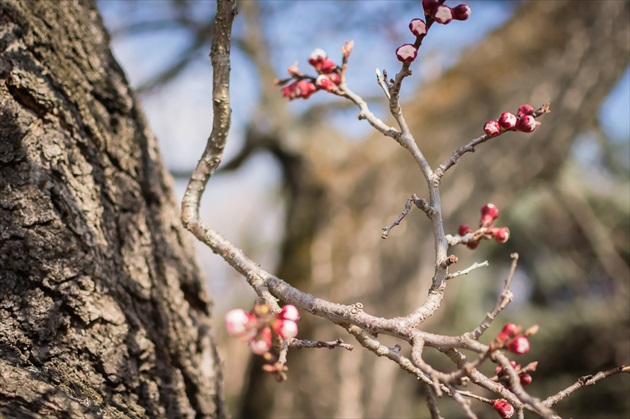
<point>489,213</point>
<point>406,53</point>
<point>525,379</point>
<point>472,245</point>
<point>492,128</point>
<point>518,345</point>
<point>325,83</point>
<point>463,230</point>
<point>507,120</point>
<point>286,329</point>
<point>418,27</point>
<point>429,6</point>
<point>317,56</point>
<point>443,14</point>
<point>239,322</point>
<point>289,312</point>
<point>527,123</point>
<point>327,66</point>
<point>335,78</point>
<point>501,235</point>
<point>525,110</point>
<point>305,88</point>
<point>261,343</point>
<point>509,329</point>
<point>461,12</point>
<point>503,408</point>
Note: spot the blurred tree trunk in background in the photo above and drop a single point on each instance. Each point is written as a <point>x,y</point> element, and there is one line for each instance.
<point>342,194</point>
<point>102,308</point>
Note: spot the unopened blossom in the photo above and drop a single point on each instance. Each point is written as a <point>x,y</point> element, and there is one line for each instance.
<point>518,345</point>
<point>261,343</point>
<point>489,213</point>
<point>492,128</point>
<point>503,408</point>
<point>525,110</point>
<point>286,329</point>
<point>501,234</point>
<point>508,120</point>
<point>418,27</point>
<point>461,12</point>
<point>527,123</point>
<point>289,312</point>
<point>443,14</point>
<point>238,322</point>
<point>429,6</point>
<point>406,53</point>
<point>325,83</point>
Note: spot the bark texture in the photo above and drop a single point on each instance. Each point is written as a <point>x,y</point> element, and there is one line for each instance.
<point>343,194</point>
<point>102,307</point>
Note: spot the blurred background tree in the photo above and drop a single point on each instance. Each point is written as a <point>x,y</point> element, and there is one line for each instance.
<point>310,187</point>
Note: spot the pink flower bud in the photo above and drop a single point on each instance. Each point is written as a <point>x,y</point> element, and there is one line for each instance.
<point>286,329</point>
<point>492,128</point>
<point>525,379</point>
<point>335,78</point>
<point>501,235</point>
<point>472,245</point>
<point>317,56</point>
<point>443,14</point>
<point>503,408</point>
<point>507,120</point>
<point>294,70</point>
<point>489,213</point>
<point>327,66</point>
<point>509,329</point>
<point>463,230</point>
<point>261,343</point>
<point>347,48</point>
<point>519,345</point>
<point>527,123</point>
<point>238,322</point>
<point>525,110</point>
<point>406,53</point>
<point>429,6</point>
<point>324,82</point>
<point>289,312</point>
<point>461,12</point>
<point>418,27</point>
<point>289,91</point>
<point>305,88</point>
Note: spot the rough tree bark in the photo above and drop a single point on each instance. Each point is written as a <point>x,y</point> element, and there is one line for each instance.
<point>343,194</point>
<point>102,307</point>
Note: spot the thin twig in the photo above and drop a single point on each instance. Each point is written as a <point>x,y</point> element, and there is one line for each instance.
<point>587,380</point>
<point>381,82</point>
<point>468,270</point>
<point>504,299</point>
<point>419,202</point>
<point>302,343</point>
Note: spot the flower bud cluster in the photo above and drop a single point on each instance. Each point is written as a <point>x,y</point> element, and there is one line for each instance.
<point>300,85</point>
<point>259,325</point>
<point>433,9</point>
<point>443,14</point>
<point>512,338</point>
<point>523,374</point>
<point>487,230</point>
<point>523,121</point>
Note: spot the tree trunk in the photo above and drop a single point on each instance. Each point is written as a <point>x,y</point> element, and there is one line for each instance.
<point>549,52</point>
<point>103,311</point>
